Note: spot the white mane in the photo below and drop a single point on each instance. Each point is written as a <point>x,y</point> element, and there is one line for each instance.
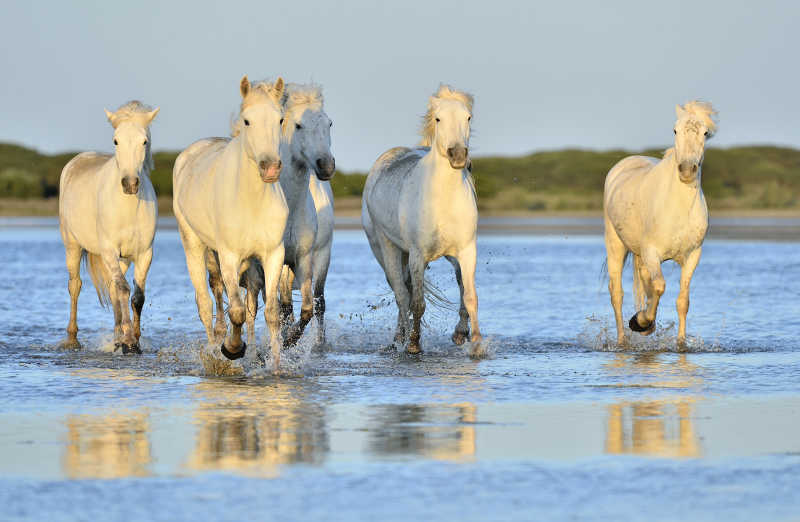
<point>429,120</point>
<point>132,110</point>
<point>704,112</point>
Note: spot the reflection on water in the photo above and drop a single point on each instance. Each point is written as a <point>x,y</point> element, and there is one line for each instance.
<point>659,428</point>
<point>442,431</point>
<point>255,429</point>
<point>107,446</point>
<point>656,428</point>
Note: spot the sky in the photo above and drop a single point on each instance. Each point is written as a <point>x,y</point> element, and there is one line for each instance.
<point>545,75</point>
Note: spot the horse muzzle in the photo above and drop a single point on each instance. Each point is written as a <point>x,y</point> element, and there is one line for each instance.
<point>270,171</point>
<point>130,184</point>
<point>457,156</point>
<point>687,172</point>
<point>325,168</point>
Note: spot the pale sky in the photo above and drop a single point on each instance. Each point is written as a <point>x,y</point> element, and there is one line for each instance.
<point>545,75</point>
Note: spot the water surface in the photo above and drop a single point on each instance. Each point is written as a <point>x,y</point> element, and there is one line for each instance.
<point>556,424</point>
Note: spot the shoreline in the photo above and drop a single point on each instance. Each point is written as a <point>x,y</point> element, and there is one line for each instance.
<point>722,225</point>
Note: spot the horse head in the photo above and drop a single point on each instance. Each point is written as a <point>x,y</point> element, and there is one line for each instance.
<point>259,125</point>
<point>307,129</point>
<point>446,125</point>
<point>132,154</point>
<point>692,128</point>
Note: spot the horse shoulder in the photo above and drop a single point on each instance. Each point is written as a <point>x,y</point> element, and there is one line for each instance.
<point>83,165</point>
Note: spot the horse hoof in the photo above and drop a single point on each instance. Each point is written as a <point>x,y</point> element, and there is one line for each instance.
<point>131,349</point>
<point>70,344</point>
<point>231,355</point>
<point>413,349</point>
<point>634,325</point>
<point>460,338</point>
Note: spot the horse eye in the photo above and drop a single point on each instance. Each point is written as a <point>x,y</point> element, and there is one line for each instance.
<point>705,134</point>
<point>298,126</point>
<point>469,118</point>
<point>674,132</point>
<point>247,123</point>
<point>437,120</point>
<point>115,142</point>
<point>330,125</point>
<point>145,142</point>
<point>281,122</point>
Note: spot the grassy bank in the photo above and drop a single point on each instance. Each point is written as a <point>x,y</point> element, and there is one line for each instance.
<point>738,179</point>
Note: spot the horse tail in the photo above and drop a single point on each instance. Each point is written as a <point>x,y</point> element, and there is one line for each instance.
<point>101,278</point>
<point>435,296</point>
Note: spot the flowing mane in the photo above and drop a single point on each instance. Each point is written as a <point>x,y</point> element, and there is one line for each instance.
<point>429,120</point>
<point>260,91</point>
<point>704,112</point>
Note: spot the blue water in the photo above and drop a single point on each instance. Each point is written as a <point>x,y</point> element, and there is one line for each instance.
<point>557,424</point>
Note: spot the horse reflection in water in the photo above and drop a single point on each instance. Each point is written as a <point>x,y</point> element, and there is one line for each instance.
<point>108,446</point>
<point>659,428</point>
<point>656,428</point>
<point>256,429</point>
<point>442,431</point>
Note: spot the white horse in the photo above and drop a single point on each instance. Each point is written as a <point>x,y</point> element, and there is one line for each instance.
<point>309,231</point>
<point>656,210</point>
<point>228,204</point>
<point>419,204</point>
<point>107,211</point>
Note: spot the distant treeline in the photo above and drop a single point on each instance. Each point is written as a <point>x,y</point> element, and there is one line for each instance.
<point>736,178</point>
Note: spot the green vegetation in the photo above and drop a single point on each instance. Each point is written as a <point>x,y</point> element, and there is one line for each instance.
<point>739,178</point>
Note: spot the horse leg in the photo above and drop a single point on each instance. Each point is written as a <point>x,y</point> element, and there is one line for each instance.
<point>140,268</point>
<point>682,303</point>
<point>461,332</point>
<point>285,286</point>
<point>395,275</point>
<point>233,347</point>
<point>320,268</point>
<point>120,293</point>
<point>196,265</point>
<point>615,259</point>
<point>217,288</point>
<point>416,267</point>
<point>73,255</point>
<point>467,259</point>
<point>253,283</point>
<point>650,271</point>
<point>303,274</point>
<point>272,264</point>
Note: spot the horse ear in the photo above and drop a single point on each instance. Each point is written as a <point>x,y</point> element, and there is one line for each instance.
<point>679,111</point>
<point>152,114</point>
<point>279,87</point>
<point>244,86</point>
<point>110,116</point>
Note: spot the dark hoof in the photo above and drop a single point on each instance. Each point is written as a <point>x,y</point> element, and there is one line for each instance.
<point>70,344</point>
<point>413,349</point>
<point>231,355</point>
<point>634,325</point>
<point>132,349</point>
<point>460,338</point>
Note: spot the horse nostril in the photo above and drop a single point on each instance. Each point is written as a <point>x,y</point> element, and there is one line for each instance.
<point>451,151</point>
<point>262,165</point>
<point>694,168</point>
<point>278,165</point>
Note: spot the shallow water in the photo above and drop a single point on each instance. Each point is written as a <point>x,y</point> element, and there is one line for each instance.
<point>556,424</point>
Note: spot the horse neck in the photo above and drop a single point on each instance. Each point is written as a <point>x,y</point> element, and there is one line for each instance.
<point>672,190</point>
<point>294,182</point>
<point>439,175</point>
